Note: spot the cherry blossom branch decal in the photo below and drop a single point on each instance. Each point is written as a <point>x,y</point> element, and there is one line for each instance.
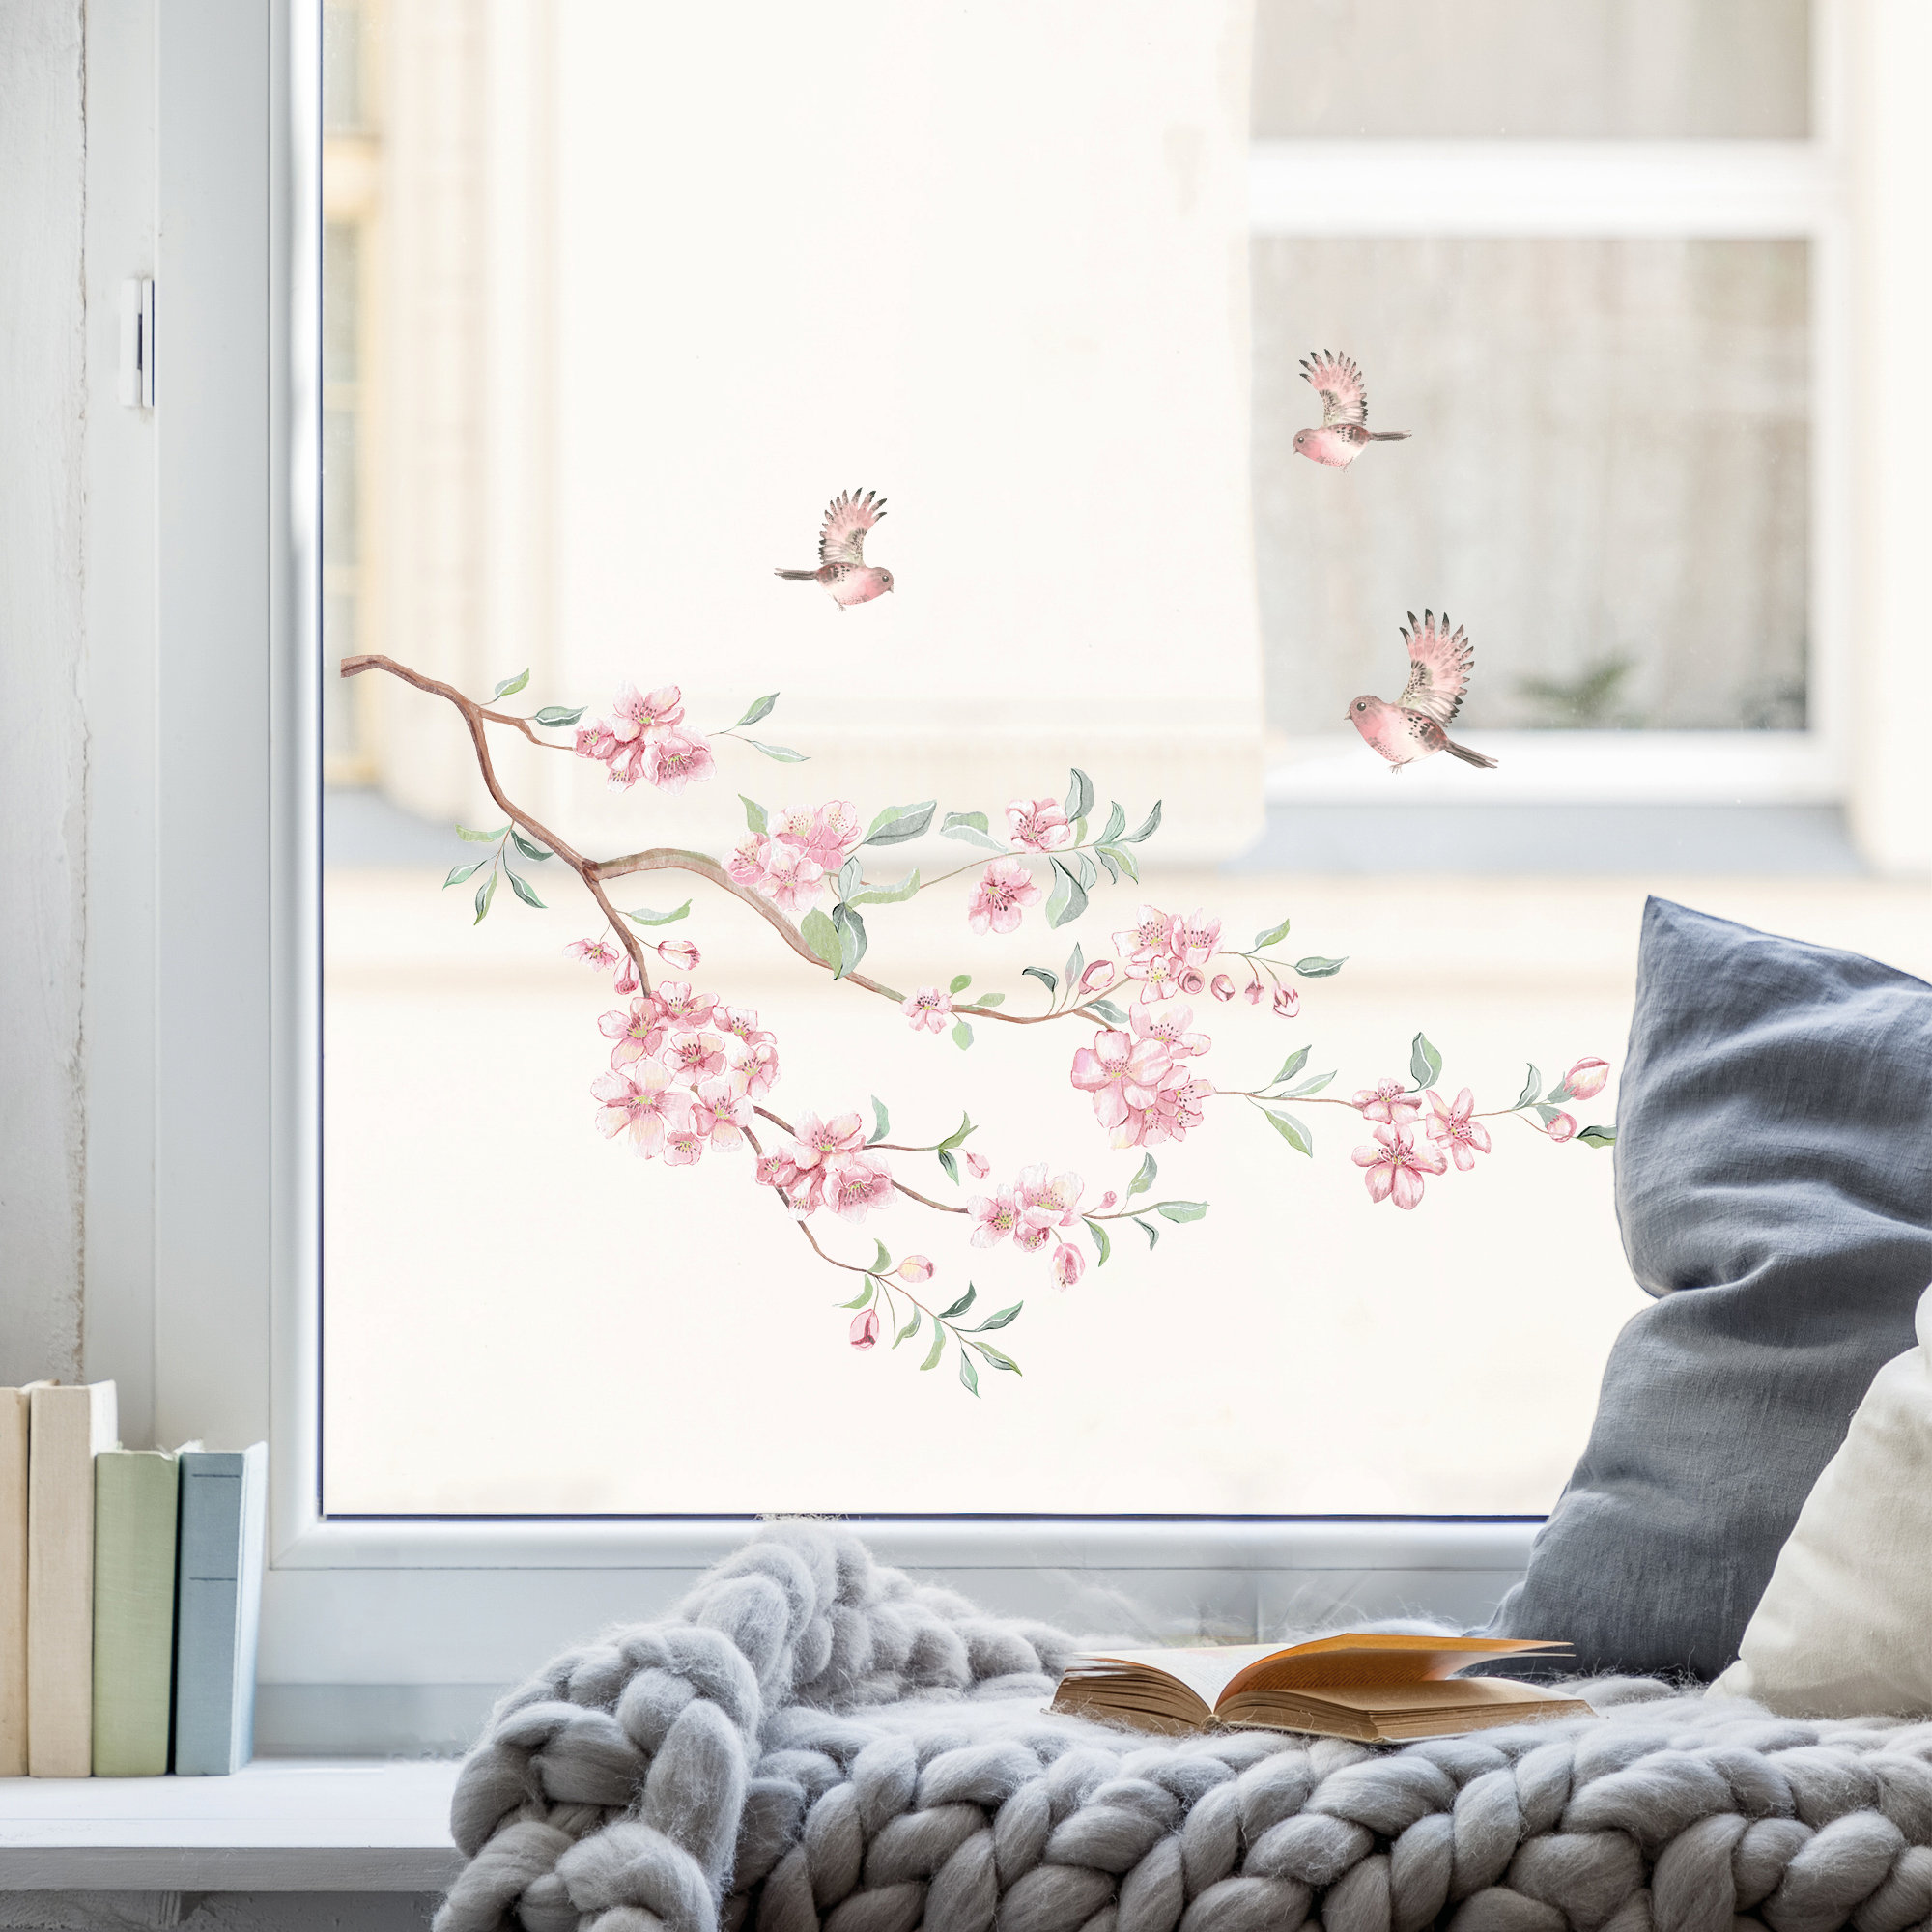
<point>688,1076</point>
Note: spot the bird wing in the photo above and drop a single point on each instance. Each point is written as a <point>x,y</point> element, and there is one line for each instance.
<point>1339,384</point>
<point>847,518</point>
<point>1439,663</point>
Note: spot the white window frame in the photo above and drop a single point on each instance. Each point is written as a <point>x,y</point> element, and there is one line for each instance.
<point>1711,190</point>
<point>203,992</point>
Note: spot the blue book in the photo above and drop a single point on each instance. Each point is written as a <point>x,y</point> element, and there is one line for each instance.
<point>219,1611</point>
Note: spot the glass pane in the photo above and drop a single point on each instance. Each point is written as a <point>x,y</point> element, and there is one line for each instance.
<point>1577,69</point>
<point>1609,482</point>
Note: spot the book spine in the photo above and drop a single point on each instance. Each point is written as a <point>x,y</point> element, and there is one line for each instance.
<point>13,1405</point>
<point>136,1501</point>
<point>217,1608</point>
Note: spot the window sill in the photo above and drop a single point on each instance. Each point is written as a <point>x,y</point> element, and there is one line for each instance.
<point>277,1825</point>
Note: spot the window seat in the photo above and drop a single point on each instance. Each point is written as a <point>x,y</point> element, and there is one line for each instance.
<point>279,1824</point>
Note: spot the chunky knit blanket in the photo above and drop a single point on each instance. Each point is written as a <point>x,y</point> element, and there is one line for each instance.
<point>812,1742</point>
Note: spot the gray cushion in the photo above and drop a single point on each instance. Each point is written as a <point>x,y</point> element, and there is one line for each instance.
<point>1773,1177</point>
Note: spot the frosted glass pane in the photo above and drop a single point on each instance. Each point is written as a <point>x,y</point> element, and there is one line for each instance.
<point>1533,68</point>
<point>1606,481</point>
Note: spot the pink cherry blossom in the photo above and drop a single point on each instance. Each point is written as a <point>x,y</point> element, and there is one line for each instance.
<point>693,1055</point>
<point>755,1066</point>
<point>1157,974</point>
<point>915,1271</point>
<point>994,1218</point>
<point>855,1183</point>
<point>1175,1112</point>
<point>1069,1264</point>
<point>640,1102</point>
<point>741,1023</point>
<point>647,715</point>
<point>1252,991</point>
<point>680,1003</point>
<point>1148,935</point>
<point>746,863</point>
<point>1561,1128</point>
<point>1167,1026</point>
<point>1466,1138</point>
<point>1287,1002</point>
<point>832,832</point>
<point>1191,981</point>
<point>598,952</point>
<point>721,1114</point>
<point>864,1329</point>
<point>1396,1166</point>
<point>1194,939</point>
<point>674,760</point>
<point>1222,987</point>
<point>679,952</point>
<point>638,1032</point>
<point>1004,889</point>
<point>827,1140</point>
<point>684,1144</point>
<point>977,1167</point>
<point>1098,976</point>
<point>1585,1080</point>
<point>1119,1073</point>
<point>776,1170</point>
<point>792,876</point>
<point>1039,824</point>
<point>1388,1101</point>
<point>929,1009</point>
<point>628,980</point>
<point>1033,1231</point>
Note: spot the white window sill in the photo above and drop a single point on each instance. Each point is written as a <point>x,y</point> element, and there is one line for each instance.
<point>278,1824</point>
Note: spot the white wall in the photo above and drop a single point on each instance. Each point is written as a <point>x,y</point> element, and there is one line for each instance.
<point>44,765</point>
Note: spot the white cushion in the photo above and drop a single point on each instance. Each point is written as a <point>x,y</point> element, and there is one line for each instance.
<point>1844,1628</point>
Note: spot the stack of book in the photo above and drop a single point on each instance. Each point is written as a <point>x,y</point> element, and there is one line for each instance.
<point>130,1590</point>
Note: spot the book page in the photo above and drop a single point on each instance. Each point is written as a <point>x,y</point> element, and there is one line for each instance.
<point>1205,1670</point>
<point>1368,1658</point>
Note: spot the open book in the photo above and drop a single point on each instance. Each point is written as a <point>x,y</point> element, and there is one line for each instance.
<point>1369,1686</point>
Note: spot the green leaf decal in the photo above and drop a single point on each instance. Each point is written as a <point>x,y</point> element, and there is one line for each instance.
<point>882,1256</point>
<point>864,1296</point>
<point>1039,973</point>
<point>1291,1132</point>
<point>960,981</point>
<point>1100,1241</point>
<point>1315,967</point>
<point>458,873</point>
<point>783,753</point>
<point>1599,1137</point>
<point>970,827</point>
<point>1089,872</point>
<point>968,1374</point>
<point>481,838</point>
<point>1111,859</point>
<point>1560,1092</point>
<point>485,892</point>
<point>527,848</point>
<point>1068,898</point>
<point>987,1001</point>
<point>1145,1178</point>
<point>949,1164</point>
<point>998,1360</point>
<point>755,818</point>
<point>937,1349</point>
<point>556,716</point>
<point>1292,1066</point>
<point>761,707</point>
<point>1307,1088</point>
<point>882,1125</point>
<point>887,895</point>
<point>1545,1113</point>
<point>1148,826</point>
<point>911,1328</point>
<point>1530,1088</point>
<point>1116,822</point>
<point>1182,1210</point>
<point>851,930</point>
<point>1118,855</point>
<point>999,1321</point>
<point>1106,1010</point>
<point>973,821</point>
<point>960,1306</point>
<point>1425,1064</point>
<point>645,916</point>
<point>822,936</point>
<point>1273,936</point>
<point>1149,1229</point>
<point>1079,795</point>
<point>847,881</point>
<point>957,1137</point>
<point>510,686</point>
<point>962,1036</point>
<point>523,890</point>
<point>897,823</point>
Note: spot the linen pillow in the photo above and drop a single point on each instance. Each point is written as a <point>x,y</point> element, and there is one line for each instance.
<point>1845,1628</point>
<point>1773,1185</point>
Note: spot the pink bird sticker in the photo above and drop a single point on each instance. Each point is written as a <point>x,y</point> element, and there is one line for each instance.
<point>1345,431</point>
<point>1411,728</point>
<point>843,568</point>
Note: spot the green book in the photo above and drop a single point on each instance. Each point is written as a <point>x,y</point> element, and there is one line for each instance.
<point>136,1498</point>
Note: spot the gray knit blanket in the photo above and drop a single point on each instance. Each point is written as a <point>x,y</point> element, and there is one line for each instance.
<point>813,1741</point>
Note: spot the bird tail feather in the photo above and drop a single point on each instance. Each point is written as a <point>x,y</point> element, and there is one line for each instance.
<point>1468,756</point>
<point>1390,434</point>
<point>798,575</point>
